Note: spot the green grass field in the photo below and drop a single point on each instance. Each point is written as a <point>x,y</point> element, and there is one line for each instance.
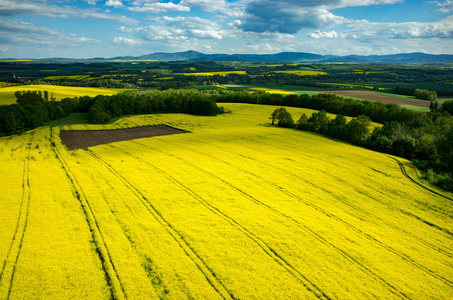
<point>234,209</point>
<point>7,94</point>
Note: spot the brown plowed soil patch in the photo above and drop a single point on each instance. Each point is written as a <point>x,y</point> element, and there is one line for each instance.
<point>376,97</point>
<point>80,139</point>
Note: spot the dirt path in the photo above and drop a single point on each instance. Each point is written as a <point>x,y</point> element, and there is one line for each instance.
<point>376,97</point>
<point>88,138</point>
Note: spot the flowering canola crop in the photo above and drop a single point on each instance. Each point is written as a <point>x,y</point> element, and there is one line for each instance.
<point>233,209</point>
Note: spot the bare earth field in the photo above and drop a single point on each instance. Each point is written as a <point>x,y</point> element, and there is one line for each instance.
<point>376,97</point>
<point>87,138</point>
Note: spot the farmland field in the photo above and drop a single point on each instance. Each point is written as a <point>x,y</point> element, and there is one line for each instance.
<point>234,209</point>
<point>224,73</point>
<point>7,94</point>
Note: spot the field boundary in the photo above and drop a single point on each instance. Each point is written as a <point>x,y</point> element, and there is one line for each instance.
<point>12,257</point>
<point>80,139</point>
<point>111,274</point>
<point>403,170</point>
<point>378,97</point>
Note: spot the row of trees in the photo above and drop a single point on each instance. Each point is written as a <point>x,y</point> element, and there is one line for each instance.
<point>176,101</point>
<point>431,152</point>
<point>339,128</point>
<point>426,139</point>
<point>34,108</point>
<point>16,118</point>
<point>417,93</point>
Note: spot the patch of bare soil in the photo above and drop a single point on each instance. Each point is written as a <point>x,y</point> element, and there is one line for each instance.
<point>80,139</point>
<point>376,97</point>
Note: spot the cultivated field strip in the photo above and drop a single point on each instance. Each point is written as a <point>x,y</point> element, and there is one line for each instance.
<point>236,209</point>
<point>55,249</point>
<point>434,247</point>
<point>258,242</point>
<point>357,208</point>
<point>207,272</point>
<point>402,253</point>
<point>364,268</point>
<point>115,284</point>
<point>273,251</point>
<point>138,223</point>
<point>344,253</point>
<point>240,236</point>
<point>3,143</point>
<point>8,267</point>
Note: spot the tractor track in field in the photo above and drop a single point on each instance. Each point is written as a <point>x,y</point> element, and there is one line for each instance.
<point>322,240</point>
<point>5,144</point>
<point>113,280</point>
<point>403,170</point>
<point>257,240</point>
<point>208,273</point>
<point>322,210</point>
<point>386,205</point>
<point>12,257</point>
<point>396,252</point>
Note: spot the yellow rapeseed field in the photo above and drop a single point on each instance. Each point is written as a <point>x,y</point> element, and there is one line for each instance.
<point>273,91</point>
<point>233,209</point>
<point>7,94</point>
<point>75,77</point>
<point>213,73</point>
<point>302,72</point>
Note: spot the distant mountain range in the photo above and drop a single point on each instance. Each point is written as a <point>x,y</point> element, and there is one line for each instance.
<point>295,57</point>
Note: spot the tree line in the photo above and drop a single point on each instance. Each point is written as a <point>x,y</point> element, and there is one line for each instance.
<point>417,93</point>
<point>429,144</point>
<point>34,108</point>
<point>424,138</point>
<point>175,101</point>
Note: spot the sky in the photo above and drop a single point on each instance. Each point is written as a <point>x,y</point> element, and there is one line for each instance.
<point>110,28</point>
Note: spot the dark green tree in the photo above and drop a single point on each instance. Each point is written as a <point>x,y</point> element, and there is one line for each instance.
<point>358,128</point>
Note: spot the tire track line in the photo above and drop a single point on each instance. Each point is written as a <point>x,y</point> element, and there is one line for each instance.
<point>5,144</point>
<point>403,170</point>
<point>208,273</point>
<point>367,213</point>
<point>12,257</point>
<point>265,247</point>
<point>389,248</point>
<point>329,214</point>
<point>343,253</point>
<point>111,274</point>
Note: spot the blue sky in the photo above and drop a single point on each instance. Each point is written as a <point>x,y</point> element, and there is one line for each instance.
<point>109,28</point>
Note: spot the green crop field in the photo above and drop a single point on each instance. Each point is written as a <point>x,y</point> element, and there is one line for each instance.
<point>232,209</point>
<point>7,94</point>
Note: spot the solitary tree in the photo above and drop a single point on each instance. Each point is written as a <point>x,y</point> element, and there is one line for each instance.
<point>283,117</point>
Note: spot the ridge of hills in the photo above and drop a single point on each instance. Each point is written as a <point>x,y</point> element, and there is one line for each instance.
<point>282,57</point>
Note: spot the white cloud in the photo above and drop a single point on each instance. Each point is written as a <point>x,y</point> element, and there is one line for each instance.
<point>234,10</point>
<point>446,6</point>
<point>327,35</point>
<point>12,7</point>
<point>114,3</point>
<point>16,31</point>
<point>187,27</point>
<point>406,30</point>
<point>289,16</point>
<point>365,30</point>
<point>4,48</point>
<point>350,3</point>
<point>159,7</point>
<point>127,41</point>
